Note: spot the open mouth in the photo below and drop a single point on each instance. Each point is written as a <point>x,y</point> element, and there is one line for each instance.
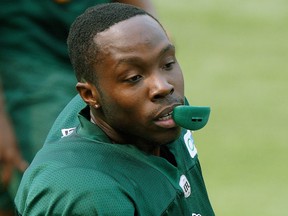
<point>166,116</point>
<point>166,121</point>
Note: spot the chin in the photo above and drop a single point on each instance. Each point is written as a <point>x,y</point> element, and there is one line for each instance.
<point>170,136</point>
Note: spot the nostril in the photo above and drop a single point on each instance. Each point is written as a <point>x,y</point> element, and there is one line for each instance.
<point>157,97</point>
<point>163,94</point>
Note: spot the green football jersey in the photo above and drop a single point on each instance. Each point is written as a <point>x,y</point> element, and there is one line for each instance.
<point>80,172</point>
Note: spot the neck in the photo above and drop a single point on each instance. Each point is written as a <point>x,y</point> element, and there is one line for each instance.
<point>116,137</point>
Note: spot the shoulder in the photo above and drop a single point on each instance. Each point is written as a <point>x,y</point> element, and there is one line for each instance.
<point>74,190</point>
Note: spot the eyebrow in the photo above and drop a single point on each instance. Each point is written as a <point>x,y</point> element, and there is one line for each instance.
<point>166,49</point>
<point>137,59</point>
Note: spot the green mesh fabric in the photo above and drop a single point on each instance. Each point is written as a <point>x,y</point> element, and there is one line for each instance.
<point>84,174</point>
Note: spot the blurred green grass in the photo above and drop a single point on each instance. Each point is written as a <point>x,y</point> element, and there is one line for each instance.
<point>234,56</point>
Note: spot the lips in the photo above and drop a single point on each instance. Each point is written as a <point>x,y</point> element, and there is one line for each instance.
<point>166,112</point>
<point>166,116</point>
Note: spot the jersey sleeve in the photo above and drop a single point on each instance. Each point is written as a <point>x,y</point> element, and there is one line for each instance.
<point>75,191</point>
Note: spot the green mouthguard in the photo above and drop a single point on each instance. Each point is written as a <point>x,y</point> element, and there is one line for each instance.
<point>191,117</point>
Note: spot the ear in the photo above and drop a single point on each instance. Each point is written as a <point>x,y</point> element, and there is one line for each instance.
<point>89,93</point>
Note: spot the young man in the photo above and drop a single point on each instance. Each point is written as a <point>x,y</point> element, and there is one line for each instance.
<point>34,60</point>
<point>126,155</point>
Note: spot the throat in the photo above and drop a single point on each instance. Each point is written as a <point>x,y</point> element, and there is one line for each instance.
<point>166,153</point>
<point>157,150</point>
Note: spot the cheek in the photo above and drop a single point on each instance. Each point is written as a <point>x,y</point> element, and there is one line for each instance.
<point>178,81</point>
<point>121,106</point>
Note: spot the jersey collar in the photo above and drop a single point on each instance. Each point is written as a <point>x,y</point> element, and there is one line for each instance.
<point>89,130</point>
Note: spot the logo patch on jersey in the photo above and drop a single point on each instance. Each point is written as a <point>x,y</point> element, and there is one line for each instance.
<point>67,131</point>
<point>190,144</point>
<point>184,184</point>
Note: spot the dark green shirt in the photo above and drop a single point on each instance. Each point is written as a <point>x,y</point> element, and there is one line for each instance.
<point>83,173</point>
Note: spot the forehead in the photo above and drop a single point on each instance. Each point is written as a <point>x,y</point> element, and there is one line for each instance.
<point>136,32</point>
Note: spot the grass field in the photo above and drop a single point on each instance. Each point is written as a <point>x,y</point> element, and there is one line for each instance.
<point>234,55</point>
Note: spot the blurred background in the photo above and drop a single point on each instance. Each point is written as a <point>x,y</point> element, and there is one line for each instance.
<point>234,56</point>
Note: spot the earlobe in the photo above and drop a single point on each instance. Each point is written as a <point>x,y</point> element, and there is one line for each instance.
<point>89,93</point>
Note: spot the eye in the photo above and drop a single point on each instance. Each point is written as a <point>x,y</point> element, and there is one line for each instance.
<point>169,66</point>
<point>134,79</point>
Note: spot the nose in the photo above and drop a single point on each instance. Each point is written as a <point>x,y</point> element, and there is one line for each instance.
<point>160,87</point>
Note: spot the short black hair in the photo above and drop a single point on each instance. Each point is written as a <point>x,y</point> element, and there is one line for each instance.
<point>81,47</point>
